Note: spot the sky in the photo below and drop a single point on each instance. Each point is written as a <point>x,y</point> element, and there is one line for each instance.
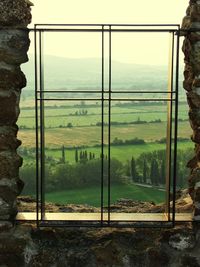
<point>108,11</point>
<point>128,48</point>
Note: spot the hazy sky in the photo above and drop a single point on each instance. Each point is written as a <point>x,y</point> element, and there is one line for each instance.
<point>134,48</point>
<point>109,11</point>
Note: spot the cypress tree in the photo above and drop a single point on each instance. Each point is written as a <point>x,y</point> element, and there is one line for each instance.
<point>85,155</point>
<point>162,172</point>
<point>144,171</point>
<point>156,172</point>
<point>152,170</point>
<point>133,170</point>
<point>179,175</point>
<point>81,155</point>
<point>63,154</point>
<point>76,155</point>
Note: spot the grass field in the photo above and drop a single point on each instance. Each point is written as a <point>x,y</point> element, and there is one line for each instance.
<point>85,133</point>
<point>91,135</point>
<point>122,153</point>
<point>91,196</point>
<point>61,116</point>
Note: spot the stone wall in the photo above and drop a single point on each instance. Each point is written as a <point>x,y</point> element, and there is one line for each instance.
<point>191,49</point>
<point>24,245</point>
<point>14,42</point>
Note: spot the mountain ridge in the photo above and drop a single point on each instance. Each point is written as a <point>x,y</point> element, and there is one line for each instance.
<point>76,73</point>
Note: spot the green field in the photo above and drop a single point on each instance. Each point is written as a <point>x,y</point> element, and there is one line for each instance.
<point>75,127</point>
<point>60,116</point>
<point>91,196</point>
<point>85,132</point>
<point>122,153</point>
<point>91,135</point>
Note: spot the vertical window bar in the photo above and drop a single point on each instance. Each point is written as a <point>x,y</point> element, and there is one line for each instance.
<point>102,127</point>
<point>176,125</point>
<point>109,121</point>
<point>36,128</point>
<point>42,133</point>
<point>169,125</point>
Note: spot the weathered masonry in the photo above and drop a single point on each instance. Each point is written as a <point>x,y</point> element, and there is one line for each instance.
<point>191,49</point>
<point>14,44</point>
<point>28,246</point>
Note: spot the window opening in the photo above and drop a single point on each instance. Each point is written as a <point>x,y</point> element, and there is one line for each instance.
<point>108,95</point>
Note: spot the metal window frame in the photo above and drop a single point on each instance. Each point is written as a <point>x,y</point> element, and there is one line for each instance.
<point>40,98</point>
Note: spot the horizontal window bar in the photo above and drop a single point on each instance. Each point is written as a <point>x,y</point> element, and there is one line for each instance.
<point>106,91</point>
<point>121,25</point>
<point>104,30</point>
<point>113,99</point>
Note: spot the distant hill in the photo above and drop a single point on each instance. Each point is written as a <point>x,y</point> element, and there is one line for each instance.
<point>85,73</point>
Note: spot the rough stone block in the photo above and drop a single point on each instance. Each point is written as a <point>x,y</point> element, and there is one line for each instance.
<point>194,37</point>
<point>5,226</point>
<point>194,116</point>
<point>196,175</point>
<point>195,13</point>
<point>182,241</point>
<point>196,82</point>
<point>8,140</point>
<point>197,196</point>
<point>196,136</point>
<point>195,25</point>
<point>12,79</point>
<point>186,23</point>
<point>10,188</point>
<point>194,57</point>
<point>187,48</point>
<point>189,77</point>
<point>9,107</point>
<point>15,13</point>
<point>7,210</point>
<point>10,163</point>
<point>193,100</point>
<point>14,45</point>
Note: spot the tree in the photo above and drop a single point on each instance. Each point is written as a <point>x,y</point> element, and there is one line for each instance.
<point>76,155</point>
<point>128,168</point>
<point>144,171</point>
<point>85,155</point>
<point>81,156</point>
<point>69,125</point>
<point>154,173</point>
<point>179,175</point>
<point>162,172</point>
<point>133,170</point>
<point>63,154</point>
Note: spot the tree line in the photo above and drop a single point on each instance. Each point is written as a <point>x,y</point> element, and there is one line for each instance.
<point>148,168</point>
